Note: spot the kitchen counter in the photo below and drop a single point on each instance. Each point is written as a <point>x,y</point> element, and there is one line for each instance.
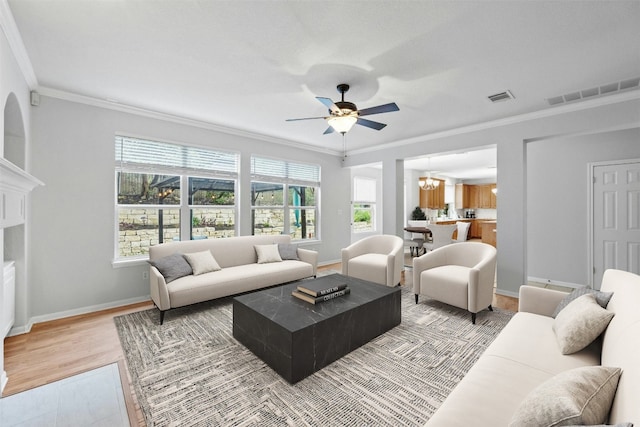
<point>476,231</point>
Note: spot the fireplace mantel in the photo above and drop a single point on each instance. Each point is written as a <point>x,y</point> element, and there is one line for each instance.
<point>15,184</point>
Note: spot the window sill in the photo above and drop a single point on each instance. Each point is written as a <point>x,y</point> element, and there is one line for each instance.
<point>121,263</point>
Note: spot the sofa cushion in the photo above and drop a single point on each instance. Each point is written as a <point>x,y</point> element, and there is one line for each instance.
<point>202,262</point>
<point>602,298</point>
<point>267,253</point>
<point>452,284</point>
<point>288,251</point>
<point>371,267</point>
<point>172,267</point>
<point>578,396</point>
<point>234,280</point>
<point>579,323</point>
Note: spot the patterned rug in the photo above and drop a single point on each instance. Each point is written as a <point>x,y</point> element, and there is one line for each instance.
<point>192,372</point>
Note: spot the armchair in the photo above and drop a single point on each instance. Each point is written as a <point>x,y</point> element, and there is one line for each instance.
<point>378,259</point>
<point>461,275</point>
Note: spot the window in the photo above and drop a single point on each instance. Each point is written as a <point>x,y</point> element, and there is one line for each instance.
<point>364,205</point>
<point>168,192</point>
<point>284,198</point>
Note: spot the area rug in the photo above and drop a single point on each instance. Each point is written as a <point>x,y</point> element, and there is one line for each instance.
<point>191,371</point>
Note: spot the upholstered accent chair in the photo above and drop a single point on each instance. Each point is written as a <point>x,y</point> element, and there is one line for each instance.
<point>461,275</point>
<point>378,259</point>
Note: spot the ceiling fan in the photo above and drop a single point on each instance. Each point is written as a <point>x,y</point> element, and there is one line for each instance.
<point>343,114</point>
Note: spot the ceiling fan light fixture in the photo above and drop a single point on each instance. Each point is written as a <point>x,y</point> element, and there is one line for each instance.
<point>342,124</point>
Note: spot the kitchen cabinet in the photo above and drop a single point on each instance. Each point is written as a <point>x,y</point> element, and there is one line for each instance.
<point>489,232</point>
<point>432,199</point>
<point>475,196</point>
<point>462,196</point>
<point>492,197</point>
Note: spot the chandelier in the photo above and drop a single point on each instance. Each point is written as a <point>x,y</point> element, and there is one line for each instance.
<point>428,183</point>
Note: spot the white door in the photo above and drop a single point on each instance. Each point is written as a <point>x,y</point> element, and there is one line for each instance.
<point>616,218</point>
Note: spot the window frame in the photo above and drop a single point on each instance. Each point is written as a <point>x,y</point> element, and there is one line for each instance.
<point>359,200</point>
<point>184,207</point>
<point>289,174</point>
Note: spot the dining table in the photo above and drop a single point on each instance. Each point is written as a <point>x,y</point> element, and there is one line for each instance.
<point>424,231</point>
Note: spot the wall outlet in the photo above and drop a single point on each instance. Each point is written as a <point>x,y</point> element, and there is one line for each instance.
<point>145,275</point>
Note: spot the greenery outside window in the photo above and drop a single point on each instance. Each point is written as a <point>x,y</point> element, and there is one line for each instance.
<point>167,192</point>
<point>364,205</point>
<point>284,198</point>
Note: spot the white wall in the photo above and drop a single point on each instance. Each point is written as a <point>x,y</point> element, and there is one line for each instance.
<point>510,137</point>
<point>557,195</point>
<point>73,216</point>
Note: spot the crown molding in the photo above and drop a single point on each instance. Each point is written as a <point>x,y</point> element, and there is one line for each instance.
<point>16,44</point>
<point>549,112</point>
<point>124,108</point>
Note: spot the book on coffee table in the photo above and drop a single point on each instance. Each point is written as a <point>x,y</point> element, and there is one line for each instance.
<point>316,300</point>
<point>322,286</point>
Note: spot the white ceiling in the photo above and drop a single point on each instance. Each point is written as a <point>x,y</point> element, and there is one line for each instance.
<point>249,65</point>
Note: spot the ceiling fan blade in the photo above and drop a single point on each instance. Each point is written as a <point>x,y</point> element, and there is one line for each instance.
<point>328,131</point>
<point>330,105</point>
<point>370,124</point>
<point>386,108</point>
<point>305,118</point>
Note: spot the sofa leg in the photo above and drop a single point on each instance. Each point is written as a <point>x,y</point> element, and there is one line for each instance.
<point>162,316</point>
<point>490,308</point>
<point>473,318</point>
<point>416,298</point>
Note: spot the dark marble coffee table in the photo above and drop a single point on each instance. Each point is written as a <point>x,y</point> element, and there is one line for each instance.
<point>297,338</point>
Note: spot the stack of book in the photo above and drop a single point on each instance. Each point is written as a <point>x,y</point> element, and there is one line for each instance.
<point>320,290</point>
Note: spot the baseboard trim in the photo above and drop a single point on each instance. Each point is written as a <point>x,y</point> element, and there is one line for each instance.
<point>554,282</point>
<point>23,329</point>
<point>507,293</point>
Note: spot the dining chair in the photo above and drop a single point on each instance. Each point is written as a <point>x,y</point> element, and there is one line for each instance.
<point>441,235</point>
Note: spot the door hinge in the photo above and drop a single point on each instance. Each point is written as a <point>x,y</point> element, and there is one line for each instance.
<point>594,179</point>
<point>594,270</point>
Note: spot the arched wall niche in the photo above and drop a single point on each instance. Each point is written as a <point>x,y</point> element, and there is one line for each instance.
<point>14,133</point>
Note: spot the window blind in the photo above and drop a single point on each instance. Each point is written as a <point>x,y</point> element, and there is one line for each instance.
<point>135,153</point>
<point>263,168</point>
<point>364,190</point>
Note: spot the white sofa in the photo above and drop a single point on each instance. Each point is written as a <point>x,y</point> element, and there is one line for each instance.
<point>240,271</point>
<point>378,259</point>
<point>525,354</point>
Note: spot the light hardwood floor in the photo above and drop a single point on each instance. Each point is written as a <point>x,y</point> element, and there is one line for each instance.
<point>62,348</point>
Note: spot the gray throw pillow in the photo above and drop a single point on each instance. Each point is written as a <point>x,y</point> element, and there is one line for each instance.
<point>580,396</point>
<point>581,322</point>
<point>603,298</point>
<point>172,267</point>
<point>288,251</point>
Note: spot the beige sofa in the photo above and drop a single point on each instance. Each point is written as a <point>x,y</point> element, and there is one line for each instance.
<point>525,354</point>
<point>240,271</point>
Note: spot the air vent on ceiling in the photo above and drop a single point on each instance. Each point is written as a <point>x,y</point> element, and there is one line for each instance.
<point>502,96</point>
<point>606,89</point>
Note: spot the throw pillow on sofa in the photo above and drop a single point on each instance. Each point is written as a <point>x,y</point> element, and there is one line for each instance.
<point>603,298</point>
<point>202,262</point>
<point>288,251</point>
<point>580,396</point>
<point>579,323</point>
<point>172,267</point>
<point>267,253</point>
